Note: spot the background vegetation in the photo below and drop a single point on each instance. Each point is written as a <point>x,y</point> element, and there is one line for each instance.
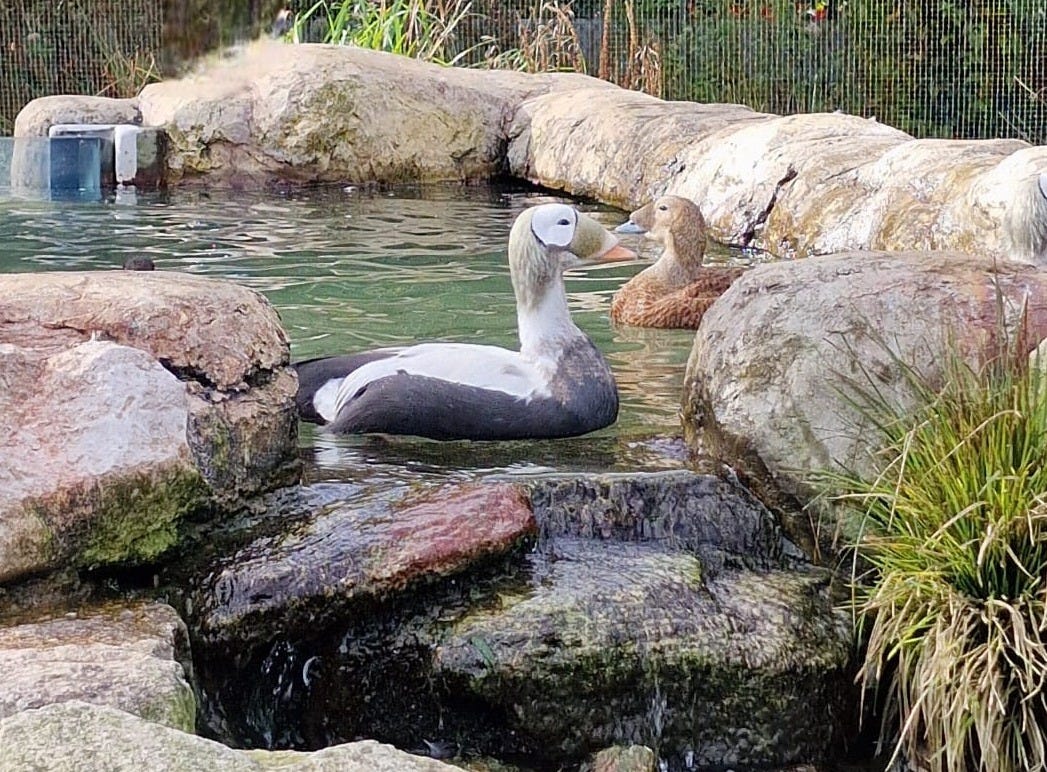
<point>944,68</point>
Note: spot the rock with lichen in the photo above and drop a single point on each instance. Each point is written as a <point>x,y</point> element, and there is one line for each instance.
<point>628,644</point>
<point>129,401</point>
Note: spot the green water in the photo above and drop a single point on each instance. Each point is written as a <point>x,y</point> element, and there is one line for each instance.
<point>356,268</point>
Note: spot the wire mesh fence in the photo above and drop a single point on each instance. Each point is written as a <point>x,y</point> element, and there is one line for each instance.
<point>934,68</point>
<point>107,47</point>
<point>970,69</point>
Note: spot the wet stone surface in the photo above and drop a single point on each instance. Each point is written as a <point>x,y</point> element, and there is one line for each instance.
<point>713,517</point>
<point>664,609</point>
<point>353,551</point>
<point>625,643</point>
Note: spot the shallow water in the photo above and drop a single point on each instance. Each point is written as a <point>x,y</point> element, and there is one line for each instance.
<point>355,268</point>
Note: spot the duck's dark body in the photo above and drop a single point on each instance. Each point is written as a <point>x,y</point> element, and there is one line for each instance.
<point>583,397</point>
<point>556,385</point>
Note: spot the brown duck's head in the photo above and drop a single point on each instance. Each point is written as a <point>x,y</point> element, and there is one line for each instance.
<point>674,222</point>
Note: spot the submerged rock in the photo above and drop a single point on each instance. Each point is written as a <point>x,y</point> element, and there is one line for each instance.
<point>781,357</point>
<point>133,399</point>
<point>76,736</point>
<point>135,658</point>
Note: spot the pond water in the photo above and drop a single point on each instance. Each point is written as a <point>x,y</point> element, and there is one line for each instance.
<point>352,268</point>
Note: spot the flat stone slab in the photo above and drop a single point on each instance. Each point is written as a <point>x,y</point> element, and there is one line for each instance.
<point>76,736</point>
<point>353,551</point>
<point>135,658</point>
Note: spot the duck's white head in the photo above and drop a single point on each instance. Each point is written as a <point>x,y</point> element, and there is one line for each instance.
<point>548,239</point>
<point>545,241</point>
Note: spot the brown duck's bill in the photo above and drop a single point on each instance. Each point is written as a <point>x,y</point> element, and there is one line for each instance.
<point>630,227</point>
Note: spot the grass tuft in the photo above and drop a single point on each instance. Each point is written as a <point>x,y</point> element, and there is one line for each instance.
<point>952,533</point>
<point>420,29</point>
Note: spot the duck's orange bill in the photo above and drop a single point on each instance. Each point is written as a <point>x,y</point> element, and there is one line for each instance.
<point>615,254</point>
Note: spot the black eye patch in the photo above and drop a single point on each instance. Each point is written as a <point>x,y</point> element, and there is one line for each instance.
<point>563,221</point>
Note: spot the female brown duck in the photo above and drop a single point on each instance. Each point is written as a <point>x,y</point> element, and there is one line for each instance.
<point>677,289</point>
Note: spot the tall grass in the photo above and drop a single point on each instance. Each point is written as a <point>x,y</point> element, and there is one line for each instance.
<point>953,529</point>
<point>421,29</point>
<point>546,41</point>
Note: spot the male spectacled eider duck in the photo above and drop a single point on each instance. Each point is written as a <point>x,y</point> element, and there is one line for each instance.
<point>677,290</point>
<point>557,385</point>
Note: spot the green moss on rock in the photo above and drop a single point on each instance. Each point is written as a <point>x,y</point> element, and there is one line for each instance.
<point>137,517</point>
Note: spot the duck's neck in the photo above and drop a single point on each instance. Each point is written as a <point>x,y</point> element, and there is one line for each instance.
<point>544,321</point>
<point>681,261</point>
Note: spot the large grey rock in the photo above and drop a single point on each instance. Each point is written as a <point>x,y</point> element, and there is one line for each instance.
<point>620,644</point>
<point>770,384</point>
<point>135,658</point>
<point>794,185</point>
<point>130,399</point>
<point>316,113</point>
<point>76,736</point>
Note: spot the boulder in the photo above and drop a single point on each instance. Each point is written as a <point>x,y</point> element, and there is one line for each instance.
<point>772,384</point>
<point>663,609</point>
<point>792,185</point>
<point>314,113</point>
<point>133,399</point>
<point>135,658</point>
<point>630,644</point>
<point>75,736</point>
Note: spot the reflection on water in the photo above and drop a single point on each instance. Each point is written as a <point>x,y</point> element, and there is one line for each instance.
<point>355,268</point>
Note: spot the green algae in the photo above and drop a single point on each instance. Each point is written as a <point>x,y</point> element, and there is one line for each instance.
<point>136,519</point>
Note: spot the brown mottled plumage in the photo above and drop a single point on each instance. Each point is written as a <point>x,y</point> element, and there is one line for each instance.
<point>677,289</point>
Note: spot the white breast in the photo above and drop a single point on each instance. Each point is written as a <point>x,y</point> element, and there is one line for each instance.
<point>484,367</point>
